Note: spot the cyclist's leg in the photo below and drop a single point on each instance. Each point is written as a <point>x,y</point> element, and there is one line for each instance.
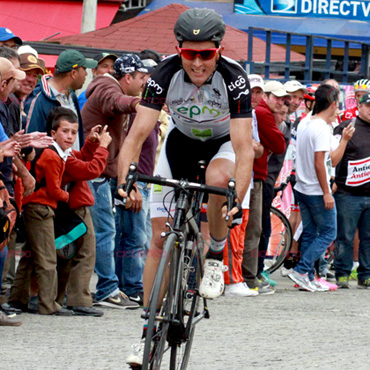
<point>218,173</point>
<point>154,256</point>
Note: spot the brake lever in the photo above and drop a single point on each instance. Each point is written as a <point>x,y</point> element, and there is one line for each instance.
<point>130,180</point>
<point>231,195</point>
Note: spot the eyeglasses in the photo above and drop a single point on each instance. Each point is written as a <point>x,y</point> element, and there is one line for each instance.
<point>205,54</point>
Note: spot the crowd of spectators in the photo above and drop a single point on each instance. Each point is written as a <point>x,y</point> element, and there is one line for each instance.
<point>57,148</point>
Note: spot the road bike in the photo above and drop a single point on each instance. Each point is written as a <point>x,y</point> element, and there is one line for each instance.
<point>175,306</point>
<point>281,237</point>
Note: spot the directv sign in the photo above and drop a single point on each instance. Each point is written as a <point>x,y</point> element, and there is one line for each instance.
<point>348,9</point>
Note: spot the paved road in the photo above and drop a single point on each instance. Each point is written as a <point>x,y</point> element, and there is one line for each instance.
<point>288,330</point>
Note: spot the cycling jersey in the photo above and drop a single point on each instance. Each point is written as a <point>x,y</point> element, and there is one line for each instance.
<point>201,113</point>
<point>350,113</point>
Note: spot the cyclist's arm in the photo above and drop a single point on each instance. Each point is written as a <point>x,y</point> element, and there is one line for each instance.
<point>241,139</point>
<point>144,123</point>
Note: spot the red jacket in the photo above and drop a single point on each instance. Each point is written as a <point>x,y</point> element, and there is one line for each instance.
<point>87,164</point>
<point>51,168</point>
<point>272,139</point>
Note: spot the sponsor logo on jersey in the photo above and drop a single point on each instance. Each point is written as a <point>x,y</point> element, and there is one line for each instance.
<point>358,172</point>
<point>194,111</point>
<point>157,189</point>
<point>240,84</point>
<point>151,83</point>
<point>202,134</point>
<point>246,92</point>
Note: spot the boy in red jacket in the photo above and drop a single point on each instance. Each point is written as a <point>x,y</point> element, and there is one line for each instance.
<point>40,206</point>
<point>75,270</point>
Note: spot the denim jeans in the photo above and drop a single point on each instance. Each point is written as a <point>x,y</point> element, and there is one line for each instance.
<point>105,231</point>
<point>3,256</point>
<point>131,239</point>
<point>319,231</point>
<point>353,212</point>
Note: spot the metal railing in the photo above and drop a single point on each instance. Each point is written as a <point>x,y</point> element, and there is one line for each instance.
<point>311,65</point>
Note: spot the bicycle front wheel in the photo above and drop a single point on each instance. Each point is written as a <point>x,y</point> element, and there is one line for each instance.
<point>159,306</point>
<point>188,313</point>
<point>280,240</point>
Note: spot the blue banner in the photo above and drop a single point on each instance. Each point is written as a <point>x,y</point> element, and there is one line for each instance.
<point>358,10</point>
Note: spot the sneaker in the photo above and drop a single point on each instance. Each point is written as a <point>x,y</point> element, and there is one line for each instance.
<point>239,290</point>
<point>363,284</point>
<point>302,280</point>
<point>120,300</point>
<point>85,311</point>
<point>266,277</point>
<point>319,287</point>
<point>263,290</point>
<point>284,272</point>
<point>343,282</point>
<point>353,275</point>
<point>212,285</point>
<point>329,276</point>
<point>138,298</point>
<point>135,358</point>
<point>62,312</point>
<point>332,287</point>
<point>5,320</point>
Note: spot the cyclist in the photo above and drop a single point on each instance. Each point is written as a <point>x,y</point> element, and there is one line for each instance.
<point>208,96</point>
<point>360,87</point>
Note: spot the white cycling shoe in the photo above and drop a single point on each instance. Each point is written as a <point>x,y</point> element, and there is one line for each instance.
<point>135,358</point>
<point>212,285</point>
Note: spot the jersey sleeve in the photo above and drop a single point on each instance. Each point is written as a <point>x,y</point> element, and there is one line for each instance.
<point>237,85</point>
<point>156,88</point>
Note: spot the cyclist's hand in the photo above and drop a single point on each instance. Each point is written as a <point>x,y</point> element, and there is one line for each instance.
<point>133,202</point>
<point>235,215</point>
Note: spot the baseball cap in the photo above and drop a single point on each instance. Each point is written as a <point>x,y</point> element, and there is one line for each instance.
<point>365,99</point>
<point>26,49</point>
<point>129,63</point>
<point>256,81</point>
<point>276,88</point>
<point>293,86</point>
<point>29,61</point>
<point>101,56</point>
<point>6,34</point>
<point>7,70</point>
<point>70,59</point>
<point>149,64</point>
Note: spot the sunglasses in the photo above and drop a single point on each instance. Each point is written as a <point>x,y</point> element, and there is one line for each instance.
<point>205,54</point>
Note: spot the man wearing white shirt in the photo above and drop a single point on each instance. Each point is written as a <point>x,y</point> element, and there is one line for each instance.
<point>313,190</point>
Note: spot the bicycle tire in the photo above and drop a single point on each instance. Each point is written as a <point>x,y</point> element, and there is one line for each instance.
<point>156,336</point>
<point>188,307</point>
<point>280,240</point>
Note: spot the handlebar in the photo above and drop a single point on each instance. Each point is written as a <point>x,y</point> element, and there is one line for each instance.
<point>133,176</point>
<point>282,185</point>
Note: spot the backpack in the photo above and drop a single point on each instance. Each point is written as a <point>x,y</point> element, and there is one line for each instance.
<point>8,215</point>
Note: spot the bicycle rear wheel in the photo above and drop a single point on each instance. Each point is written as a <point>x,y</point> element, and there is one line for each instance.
<point>188,307</point>
<point>159,305</point>
<point>280,240</point>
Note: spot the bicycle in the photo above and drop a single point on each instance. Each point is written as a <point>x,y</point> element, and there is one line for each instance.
<point>281,237</point>
<point>175,306</point>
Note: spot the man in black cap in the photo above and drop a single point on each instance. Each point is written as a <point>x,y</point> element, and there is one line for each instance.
<point>105,65</point>
<point>110,101</point>
<point>69,76</point>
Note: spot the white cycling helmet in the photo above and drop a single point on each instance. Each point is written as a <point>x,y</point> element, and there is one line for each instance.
<point>362,85</point>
